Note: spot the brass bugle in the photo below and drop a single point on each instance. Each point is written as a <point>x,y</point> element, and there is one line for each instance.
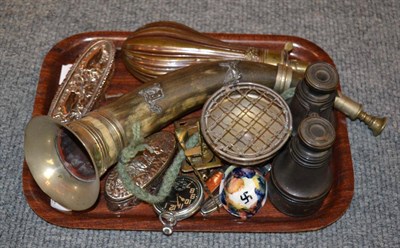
<point>67,160</point>
<point>162,47</point>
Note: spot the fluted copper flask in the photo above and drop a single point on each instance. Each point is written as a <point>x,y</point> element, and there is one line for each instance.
<point>161,47</point>
<point>301,176</point>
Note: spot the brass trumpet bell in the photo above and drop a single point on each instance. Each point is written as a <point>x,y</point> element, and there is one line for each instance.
<point>59,164</point>
<point>56,157</point>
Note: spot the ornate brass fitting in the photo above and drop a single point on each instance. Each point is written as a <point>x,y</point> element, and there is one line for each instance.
<point>200,156</point>
<point>67,160</point>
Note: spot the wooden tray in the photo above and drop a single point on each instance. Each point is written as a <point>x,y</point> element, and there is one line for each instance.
<point>143,217</point>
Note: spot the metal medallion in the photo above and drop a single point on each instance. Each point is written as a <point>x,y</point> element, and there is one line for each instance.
<point>151,95</point>
<point>251,54</point>
<point>233,74</point>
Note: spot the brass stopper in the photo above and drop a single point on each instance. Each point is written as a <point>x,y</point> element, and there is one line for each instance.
<point>355,111</point>
<point>281,57</point>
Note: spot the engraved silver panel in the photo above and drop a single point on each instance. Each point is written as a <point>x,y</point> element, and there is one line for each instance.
<point>151,95</point>
<point>233,74</point>
<point>145,171</point>
<point>85,82</point>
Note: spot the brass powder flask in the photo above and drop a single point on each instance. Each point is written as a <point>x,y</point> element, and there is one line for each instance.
<point>162,47</point>
<point>67,160</point>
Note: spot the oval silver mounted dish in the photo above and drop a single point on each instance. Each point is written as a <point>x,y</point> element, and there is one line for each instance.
<point>85,83</point>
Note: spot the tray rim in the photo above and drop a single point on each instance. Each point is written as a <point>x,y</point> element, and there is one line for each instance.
<point>118,37</point>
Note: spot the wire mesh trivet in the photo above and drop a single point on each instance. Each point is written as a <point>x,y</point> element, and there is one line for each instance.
<point>246,123</point>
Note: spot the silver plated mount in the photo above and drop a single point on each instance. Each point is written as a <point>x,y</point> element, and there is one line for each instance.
<point>85,82</point>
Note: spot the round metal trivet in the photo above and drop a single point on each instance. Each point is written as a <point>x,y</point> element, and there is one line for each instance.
<point>246,123</point>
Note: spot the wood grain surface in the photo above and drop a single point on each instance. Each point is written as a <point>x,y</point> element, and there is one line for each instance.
<point>143,217</point>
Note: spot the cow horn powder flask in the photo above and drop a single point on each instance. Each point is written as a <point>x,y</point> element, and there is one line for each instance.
<point>101,134</point>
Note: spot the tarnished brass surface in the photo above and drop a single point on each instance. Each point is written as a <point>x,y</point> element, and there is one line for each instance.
<point>161,47</point>
<point>104,132</point>
<point>354,111</point>
<point>145,171</point>
<point>214,163</point>
<point>200,153</point>
<point>246,123</point>
<point>85,82</point>
<point>200,156</point>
